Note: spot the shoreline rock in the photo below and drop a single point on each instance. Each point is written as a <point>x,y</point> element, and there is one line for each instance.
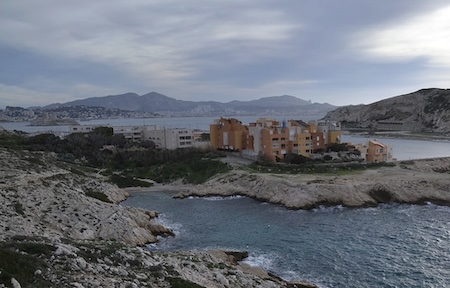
<point>414,182</point>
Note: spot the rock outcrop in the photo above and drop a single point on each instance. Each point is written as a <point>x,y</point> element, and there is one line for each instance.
<point>41,196</point>
<point>417,181</point>
<point>68,263</point>
<point>424,110</point>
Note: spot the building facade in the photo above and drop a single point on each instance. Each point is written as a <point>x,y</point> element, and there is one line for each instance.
<point>228,134</point>
<point>273,139</point>
<point>162,137</point>
<point>378,152</point>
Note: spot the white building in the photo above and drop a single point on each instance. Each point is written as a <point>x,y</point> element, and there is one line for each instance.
<point>136,133</point>
<point>171,138</point>
<point>163,138</point>
<point>82,128</point>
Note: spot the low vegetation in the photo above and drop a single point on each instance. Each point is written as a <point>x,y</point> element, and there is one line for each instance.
<point>127,163</point>
<point>98,195</point>
<point>314,167</point>
<point>21,260</point>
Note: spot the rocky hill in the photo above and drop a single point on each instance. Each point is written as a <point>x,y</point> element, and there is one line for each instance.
<point>157,103</point>
<point>426,110</point>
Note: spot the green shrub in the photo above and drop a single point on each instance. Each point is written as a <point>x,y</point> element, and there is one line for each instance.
<point>21,266</point>
<point>98,195</point>
<point>128,181</point>
<point>176,282</point>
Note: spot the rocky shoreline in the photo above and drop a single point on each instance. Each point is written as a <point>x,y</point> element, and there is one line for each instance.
<point>414,182</point>
<point>63,226</point>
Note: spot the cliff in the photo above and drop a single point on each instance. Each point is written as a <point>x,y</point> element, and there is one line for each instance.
<point>418,181</point>
<point>424,110</point>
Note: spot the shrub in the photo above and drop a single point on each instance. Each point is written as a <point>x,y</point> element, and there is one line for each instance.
<point>98,195</point>
<point>14,264</point>
<point>181,283</point>
<point>128,181</point>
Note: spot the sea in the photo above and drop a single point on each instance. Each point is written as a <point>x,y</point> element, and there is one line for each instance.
<point>392,245</point>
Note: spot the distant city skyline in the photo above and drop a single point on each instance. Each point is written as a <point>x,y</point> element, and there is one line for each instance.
<point>346,52</point>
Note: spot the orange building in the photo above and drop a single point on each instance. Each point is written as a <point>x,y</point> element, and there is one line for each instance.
<point>228,133</point>
<point>272,138</point>
<point>378,152</point>
<point>275,141</point>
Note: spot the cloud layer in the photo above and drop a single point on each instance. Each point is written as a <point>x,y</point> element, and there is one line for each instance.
<point>342,53</point>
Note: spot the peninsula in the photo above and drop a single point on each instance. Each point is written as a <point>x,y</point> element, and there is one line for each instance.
<point>413,181</point>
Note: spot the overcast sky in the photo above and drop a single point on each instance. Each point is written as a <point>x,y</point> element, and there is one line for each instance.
<point>339,52</point>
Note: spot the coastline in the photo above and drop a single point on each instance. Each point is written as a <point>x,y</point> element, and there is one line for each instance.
<point>66,229</point>
<point>399,135</point>
<point>412,182</point>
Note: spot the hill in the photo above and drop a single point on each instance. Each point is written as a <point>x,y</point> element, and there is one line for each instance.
<point>154,102</point>
<point>426,110</point>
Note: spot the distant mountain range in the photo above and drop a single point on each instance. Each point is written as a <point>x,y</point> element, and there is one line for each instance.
<point>425,110</point>
<point>157,103</point>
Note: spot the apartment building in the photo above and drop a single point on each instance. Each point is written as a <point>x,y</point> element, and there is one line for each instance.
<point>228,133</point>
<point>171,138</point>
<point>162,137</point>
<point>272,138</point>
<point>82,128</point>
<point>135,133</point>
<point>378,152</point>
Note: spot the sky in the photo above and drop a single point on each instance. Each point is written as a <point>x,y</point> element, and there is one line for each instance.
<point>338,52</point>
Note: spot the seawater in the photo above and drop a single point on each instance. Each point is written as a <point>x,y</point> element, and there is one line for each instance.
<point>388,246</point>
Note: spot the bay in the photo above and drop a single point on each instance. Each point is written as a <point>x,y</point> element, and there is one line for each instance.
<point>387,246</point>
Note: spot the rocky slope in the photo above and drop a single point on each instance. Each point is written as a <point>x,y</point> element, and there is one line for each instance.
<point>61,226</point>
<point>423,110</point>
<point>41,196</point>
<point>417,181</point>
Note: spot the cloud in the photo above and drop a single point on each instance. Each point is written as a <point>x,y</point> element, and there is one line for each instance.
<point>18,96</point>
<point>426,36</point>
<point>197,50</point>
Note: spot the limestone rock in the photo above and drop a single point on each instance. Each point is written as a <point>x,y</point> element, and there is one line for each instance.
<point>419,182</point>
